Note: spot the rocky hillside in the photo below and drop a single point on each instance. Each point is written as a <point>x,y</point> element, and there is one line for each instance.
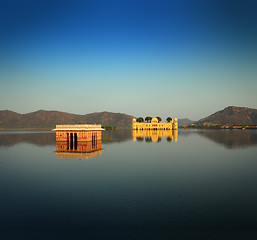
<point>231,116</point>
<point>44,118</point>
<point>185,121</point>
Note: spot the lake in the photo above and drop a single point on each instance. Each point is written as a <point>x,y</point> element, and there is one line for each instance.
<point>191,184</point>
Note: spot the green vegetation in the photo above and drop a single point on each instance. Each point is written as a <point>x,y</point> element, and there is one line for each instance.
<point>107,139</point>
<point>148,119</point>
<point>169,119</point>
<point>109,128</point>
<point>140,139</point>
<point>140,119</point>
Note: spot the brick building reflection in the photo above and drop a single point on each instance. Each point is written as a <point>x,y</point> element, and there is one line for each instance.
<point>82,150</point>
<point>155,135</point>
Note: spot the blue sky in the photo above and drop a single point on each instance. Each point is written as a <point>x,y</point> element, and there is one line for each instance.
<point>159,58</point>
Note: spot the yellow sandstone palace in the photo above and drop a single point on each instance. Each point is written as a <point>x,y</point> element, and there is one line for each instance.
<point>155,125</point>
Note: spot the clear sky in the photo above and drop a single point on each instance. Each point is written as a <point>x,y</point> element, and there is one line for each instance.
<point>158,58</point>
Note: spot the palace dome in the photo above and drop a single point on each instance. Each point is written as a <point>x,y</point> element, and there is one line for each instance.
<point>154,120</point>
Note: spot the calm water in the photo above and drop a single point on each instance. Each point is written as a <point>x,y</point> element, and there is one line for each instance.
<point>192,185</point>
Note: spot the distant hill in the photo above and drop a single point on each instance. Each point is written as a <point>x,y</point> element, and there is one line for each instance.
<point>228,116</point>
<point>185,121</point>
<point>231,116</point>
<point>44,118</point>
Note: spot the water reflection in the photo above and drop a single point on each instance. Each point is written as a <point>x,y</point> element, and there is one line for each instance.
<point>116,136</point>
<point>231,138</point>
<point>81,150</point>
<point>143,191</point>
<point>154,135</point>
<point>228,138</point>
<point>10,138</point>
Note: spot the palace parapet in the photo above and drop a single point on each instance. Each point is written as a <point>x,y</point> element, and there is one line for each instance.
<point>155,125</point>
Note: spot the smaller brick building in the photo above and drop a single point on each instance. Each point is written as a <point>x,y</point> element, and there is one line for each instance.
<point>78,132</point>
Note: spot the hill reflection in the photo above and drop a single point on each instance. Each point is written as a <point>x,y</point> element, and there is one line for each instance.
<point>40,138</point>
<point>228,138</point>
<point>115,136</point>
<point>231,138</point>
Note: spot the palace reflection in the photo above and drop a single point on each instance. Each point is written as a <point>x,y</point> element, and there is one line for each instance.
<point>82,150</point>
<point>154,135</point>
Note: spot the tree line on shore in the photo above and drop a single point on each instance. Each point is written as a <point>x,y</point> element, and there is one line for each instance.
<point>149,119</point>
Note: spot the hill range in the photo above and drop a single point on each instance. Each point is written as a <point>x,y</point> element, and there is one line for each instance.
<point>228,116</point>
<point>44,118</point>
<point>231,116</point>
<point>48,119</point>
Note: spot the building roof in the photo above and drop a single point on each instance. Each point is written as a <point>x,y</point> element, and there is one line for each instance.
<point>77,129</point>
